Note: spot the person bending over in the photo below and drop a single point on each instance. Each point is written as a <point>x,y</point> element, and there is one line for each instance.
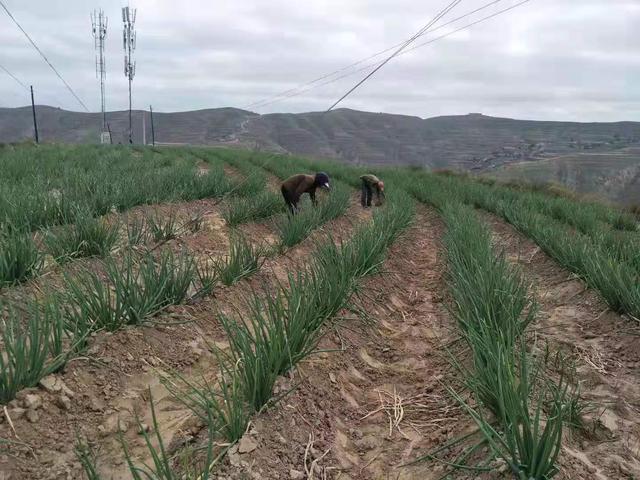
<point>370,185</point>
<point>293,188</point>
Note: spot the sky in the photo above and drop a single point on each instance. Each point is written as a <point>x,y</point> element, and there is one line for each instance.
<point>572,60</point>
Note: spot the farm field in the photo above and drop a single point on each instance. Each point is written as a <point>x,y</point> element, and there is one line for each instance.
<point>614,175</point>
<point>163,318</point>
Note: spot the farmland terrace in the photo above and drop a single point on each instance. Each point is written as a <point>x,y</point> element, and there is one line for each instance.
<point>164,317</point>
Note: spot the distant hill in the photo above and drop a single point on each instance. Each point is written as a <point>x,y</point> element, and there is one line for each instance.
<point>56,125</point>
<point>472,142</point>
<point>612,175</point>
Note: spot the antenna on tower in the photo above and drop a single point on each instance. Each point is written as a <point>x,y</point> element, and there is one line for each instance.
<point>99,29</point>
<point>129,45</point>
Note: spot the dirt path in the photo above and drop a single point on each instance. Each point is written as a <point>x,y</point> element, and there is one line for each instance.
<point>605,350</point>
<point>111,385</point>
<point>361,412</point>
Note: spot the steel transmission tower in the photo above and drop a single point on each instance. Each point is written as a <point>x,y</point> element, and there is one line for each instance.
<point>129,44</point>
<point>99,28</point>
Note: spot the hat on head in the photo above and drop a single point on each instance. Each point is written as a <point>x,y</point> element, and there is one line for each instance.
<point>322,179</point>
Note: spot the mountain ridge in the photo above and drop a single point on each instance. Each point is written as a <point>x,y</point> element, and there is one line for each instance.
<point>473,142</point>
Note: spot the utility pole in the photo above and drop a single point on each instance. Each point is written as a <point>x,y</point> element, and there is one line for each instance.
<point>144,127</point>
<point>129,45</point>
<point>153,132</point>
<point>35,122</point>
<point>99,29</point>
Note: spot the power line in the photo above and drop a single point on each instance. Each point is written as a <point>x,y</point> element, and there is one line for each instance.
<point>22,84</point>
<point>14,77</point>
<point>442,13</point>
<point>43,56</point>
<point>488,17</point>
<point>286,93</point>
<point>371,65</point>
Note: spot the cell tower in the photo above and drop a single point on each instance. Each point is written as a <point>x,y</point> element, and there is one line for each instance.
<point>129,44</point>
<point>99,27</point>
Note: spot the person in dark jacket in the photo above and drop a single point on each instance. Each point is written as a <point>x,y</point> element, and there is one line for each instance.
<point>370,185</point>
<point>293,188</point>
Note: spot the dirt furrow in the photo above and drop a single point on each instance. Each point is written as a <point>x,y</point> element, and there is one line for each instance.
<point>598,342</point>
<point>375,398</point>
<point>111,384</point>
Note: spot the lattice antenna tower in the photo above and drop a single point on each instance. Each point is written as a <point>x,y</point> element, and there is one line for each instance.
<point>129,45</point>
<point>99,29</point>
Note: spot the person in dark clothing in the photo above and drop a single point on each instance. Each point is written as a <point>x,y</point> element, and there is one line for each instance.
<point>293,188</point>
<point>370,185</point>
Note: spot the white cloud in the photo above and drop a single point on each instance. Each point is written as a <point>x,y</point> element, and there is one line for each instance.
<point>571,60</point>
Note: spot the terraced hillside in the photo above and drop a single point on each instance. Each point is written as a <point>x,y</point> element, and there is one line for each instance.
<point>614,176</point>
<point>163,318</point>
<point>470,142</point>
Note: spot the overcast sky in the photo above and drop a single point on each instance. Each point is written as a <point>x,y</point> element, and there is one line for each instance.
<point>547,59</point>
